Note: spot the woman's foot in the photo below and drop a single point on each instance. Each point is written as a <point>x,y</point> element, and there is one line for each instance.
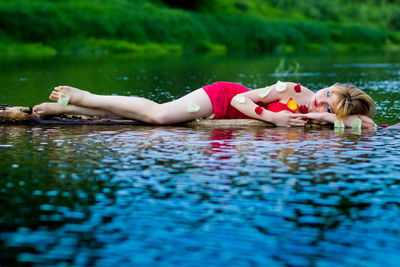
<point>49,109</point>
<point>76,95</point>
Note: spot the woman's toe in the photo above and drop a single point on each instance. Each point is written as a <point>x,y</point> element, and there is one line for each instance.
<point>53,95</point>
<point>37,110</point>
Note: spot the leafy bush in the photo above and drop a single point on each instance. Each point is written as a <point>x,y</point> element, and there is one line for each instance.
<point>358,34</point>
<point>254,26</point>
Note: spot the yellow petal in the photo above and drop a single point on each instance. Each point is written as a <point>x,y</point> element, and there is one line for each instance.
<point>240,98</point>
<point>63,99</point>
<point>264,92</point>
<point>339,124</point>
<point>292,105</point>
<point>192,107</point>
<point>280,86</point>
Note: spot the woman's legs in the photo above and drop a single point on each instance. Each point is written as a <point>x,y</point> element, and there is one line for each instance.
<point>51,108</point>
<point>141,108</point>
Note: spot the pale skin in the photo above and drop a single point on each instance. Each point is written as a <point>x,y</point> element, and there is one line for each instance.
<point>84,102</point>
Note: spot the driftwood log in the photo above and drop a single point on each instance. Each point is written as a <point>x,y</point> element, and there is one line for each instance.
<point>23,115</point>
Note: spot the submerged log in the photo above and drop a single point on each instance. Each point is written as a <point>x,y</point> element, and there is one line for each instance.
<point>23,115</point>
<point>395,126</point>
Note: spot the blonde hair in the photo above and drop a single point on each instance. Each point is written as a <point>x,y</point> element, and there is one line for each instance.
<point>351,100</point>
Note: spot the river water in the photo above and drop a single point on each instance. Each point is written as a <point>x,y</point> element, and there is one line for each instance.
<point>168,196</point>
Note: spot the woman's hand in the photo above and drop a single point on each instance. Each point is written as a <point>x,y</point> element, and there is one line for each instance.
<point>325,117</point>
<point>288,119</point>
<point>316,117</point>
<point>366,121</point>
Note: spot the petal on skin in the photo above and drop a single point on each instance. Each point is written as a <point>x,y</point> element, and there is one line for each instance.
<point>63,99</point>
<point>264,92</point>
<point>356,124</point>
<point>280,86</point>
<point>292,105</point>
<point>303,109</point>
<point>192,107</point>
<point>297,88</point>
<point>339,124</point>
<point>240,98</point>
<point>259,110</point>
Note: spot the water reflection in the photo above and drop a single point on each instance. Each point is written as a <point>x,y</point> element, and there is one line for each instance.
<point>170,195</point>
<point>89,195</point>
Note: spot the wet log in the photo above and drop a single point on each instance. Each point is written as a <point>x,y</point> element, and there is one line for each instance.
<point>23,115</point>
<point>14,114</point>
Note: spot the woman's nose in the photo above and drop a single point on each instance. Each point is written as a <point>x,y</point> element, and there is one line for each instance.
<point>323,102</point>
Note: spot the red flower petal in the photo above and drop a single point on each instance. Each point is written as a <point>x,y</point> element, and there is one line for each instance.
<point>297,88</point>
<point>259,110</point>
<point>383,125</point>
<point>303,109</point>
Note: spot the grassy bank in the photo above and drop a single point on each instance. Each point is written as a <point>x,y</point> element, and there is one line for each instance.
<point>153,28</point>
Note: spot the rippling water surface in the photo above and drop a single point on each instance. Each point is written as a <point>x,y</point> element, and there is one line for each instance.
<point>175,196</point>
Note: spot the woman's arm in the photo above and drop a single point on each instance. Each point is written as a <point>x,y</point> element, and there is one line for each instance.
<point>331,118</point>
<point>246,104</point>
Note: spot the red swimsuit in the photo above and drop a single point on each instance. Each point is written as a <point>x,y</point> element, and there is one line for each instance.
<point>221,94</point>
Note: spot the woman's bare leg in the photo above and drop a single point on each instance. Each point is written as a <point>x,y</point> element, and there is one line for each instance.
<point>141,108</point>
<point>51,108</point>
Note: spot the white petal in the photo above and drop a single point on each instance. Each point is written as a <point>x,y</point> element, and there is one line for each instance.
<point>240,98</point>
<point>211,117</point>
<point>280,86</point>
<point>192,107</point>
<point>63,99</point>
<point>264,92</point>
<point>356,124</point>
<point>339,124</point>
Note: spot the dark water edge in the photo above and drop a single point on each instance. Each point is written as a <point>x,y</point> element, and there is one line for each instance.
<point>163,196</point>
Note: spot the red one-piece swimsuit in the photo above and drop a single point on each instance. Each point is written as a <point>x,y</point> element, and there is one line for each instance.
<point>221,94</point>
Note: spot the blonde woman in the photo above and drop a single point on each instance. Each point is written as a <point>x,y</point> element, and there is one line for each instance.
<point>283,104</point>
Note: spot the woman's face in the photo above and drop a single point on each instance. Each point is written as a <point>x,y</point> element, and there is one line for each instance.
<point>322,101</point>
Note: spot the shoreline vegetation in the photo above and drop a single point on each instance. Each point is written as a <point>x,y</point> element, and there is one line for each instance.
<point>216,27</point>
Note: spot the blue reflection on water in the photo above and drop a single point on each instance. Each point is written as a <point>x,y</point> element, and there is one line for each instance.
<point>169,196</point>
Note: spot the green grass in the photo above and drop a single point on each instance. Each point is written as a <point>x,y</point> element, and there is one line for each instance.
<point>26,50</point>
<point>110,46</point>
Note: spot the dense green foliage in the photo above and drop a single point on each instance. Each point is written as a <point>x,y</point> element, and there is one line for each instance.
<point>382,13</point>
<point>215,26</point>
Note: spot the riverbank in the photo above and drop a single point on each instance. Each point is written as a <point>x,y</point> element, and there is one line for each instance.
<point>45,28</point>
